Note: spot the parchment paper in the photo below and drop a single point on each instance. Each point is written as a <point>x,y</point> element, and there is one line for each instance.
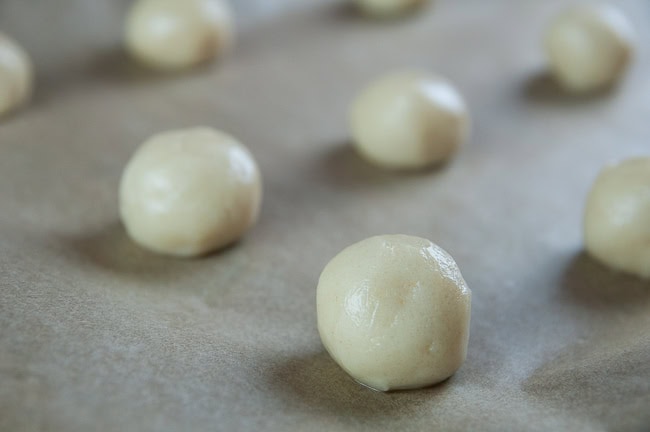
<point>97,334</point>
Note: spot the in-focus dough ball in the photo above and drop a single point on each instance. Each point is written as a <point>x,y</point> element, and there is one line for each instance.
<point>387,8</point>
<point>394,311</point>
<point>188,192</point>
<point>178,34</point>
<point>589,47</point>
<point>617,217</point>
<point>408,120</point>
<point>16,75</point>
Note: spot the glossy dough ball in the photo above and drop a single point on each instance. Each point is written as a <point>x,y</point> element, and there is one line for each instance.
<point>394,311</point>
<point>178,34</point>
<point>617,217</point>
<point>189,192</point>
<point>408,121</point>
<point>387,8</point>
<point>589,47</point>
<point>16,75</point>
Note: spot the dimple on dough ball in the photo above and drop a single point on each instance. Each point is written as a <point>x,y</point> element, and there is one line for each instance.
<point>589,47</point>
<point>178,34</point>
<point>387,8</point>
<point>16,75</point>
<point>188,192</point>
<point>393,311</point>
<point>408,120</point>
<point>617,217</point>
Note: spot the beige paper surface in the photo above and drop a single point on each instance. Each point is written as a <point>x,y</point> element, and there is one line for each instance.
<point>97,334</point>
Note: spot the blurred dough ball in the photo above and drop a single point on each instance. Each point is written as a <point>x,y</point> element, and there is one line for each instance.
<point>393,311</point>
<point>387,8</point>
<point>589,47</point>
<point>188,192</point>
<point>16,75</point>
<point>178,34</point>
<point>408,120</point>
<point>617,217</point>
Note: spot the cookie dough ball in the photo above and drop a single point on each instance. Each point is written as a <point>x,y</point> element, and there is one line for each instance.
<point>16,76</point>
<point>387,8</point>
<point>393,312</point>
<point>408,120</point>
<point>189,192</point>
<point>589,47</point>
<point>178,34</point>
<point>617,217</point>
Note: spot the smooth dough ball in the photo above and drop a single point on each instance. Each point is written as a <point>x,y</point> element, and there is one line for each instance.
<point>617,217</point>
<point>16,75</point>
<point>189,192</point>
<point>178,34</point>
<point>589,47</point>
<point>408,121</point>
<point>387,8</point>
<point>394,311</point>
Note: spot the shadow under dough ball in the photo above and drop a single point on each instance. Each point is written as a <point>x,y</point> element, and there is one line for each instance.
<point>178,34</point>
<point>189,192</point>
<point>408,121</point>
<point>393,311</point>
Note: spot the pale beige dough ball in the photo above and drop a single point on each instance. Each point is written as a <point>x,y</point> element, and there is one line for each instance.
<point>394,311</point>
<point>617,217</point>
<point>188,192</point>
<point>589,47</point>
<point>16,75</point>
<point>408,120</point>
<point>178,34</point>
<point>387,8</point>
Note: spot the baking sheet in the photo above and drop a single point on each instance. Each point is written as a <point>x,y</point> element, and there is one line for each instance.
<point>97,334</point>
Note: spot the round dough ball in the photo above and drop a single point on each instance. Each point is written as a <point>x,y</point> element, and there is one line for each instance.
<point>16,75</point>
<point>189,192</point>
<point>394,311</point>
<point>589,47</point>
<point>178,34</point>
<point>617,217</point>
<point>387,8</point>
<point>408,121</point>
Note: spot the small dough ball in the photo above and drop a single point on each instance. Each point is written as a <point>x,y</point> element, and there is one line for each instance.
<point>589,47</point>
<point>408,121</point>
<point>393,312</point>
<point>188,192</point>
<point>617,217</point>
<point>178,34</point>
<point>387,8</point>
<point>16,75</point>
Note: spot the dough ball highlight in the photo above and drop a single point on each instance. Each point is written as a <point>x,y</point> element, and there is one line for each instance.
<point>617,217</point>
<point>589,47</point>
<point>189,192</point>
<point>178,34</point>
<point>394,311</point>
<point>408,120</point>
<point>16,75</point>
<point>387,8</point>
